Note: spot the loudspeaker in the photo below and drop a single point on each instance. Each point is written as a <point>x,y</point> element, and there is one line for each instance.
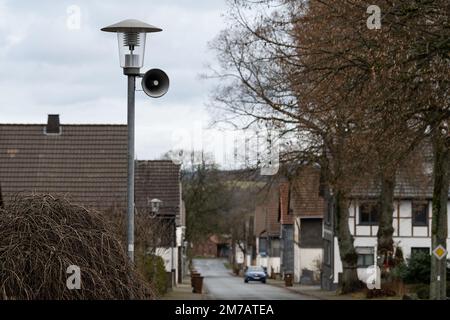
<point>155,83</point>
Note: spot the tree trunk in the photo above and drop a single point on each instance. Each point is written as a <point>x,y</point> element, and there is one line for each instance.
<point>439,219</point>
<point>233,253</point>
<point>349,258</point>
<point>385,244</point>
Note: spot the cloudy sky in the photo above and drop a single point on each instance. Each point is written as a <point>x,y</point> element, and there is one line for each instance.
<point>49,65</point>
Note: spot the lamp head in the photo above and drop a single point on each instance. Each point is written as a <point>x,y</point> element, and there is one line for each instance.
<point>131,35</point>
<point>155,204</point>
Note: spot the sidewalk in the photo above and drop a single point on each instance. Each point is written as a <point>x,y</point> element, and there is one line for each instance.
<point>318,293</point>
<point>315,291</point>
<point>183,291</point>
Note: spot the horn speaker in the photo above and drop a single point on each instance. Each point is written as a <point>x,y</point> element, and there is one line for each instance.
<point>155,83</point>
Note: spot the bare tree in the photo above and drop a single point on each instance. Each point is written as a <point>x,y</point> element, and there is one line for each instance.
<point>356,101</point>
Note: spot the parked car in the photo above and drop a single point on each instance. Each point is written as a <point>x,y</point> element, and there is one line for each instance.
<point>255,273</point>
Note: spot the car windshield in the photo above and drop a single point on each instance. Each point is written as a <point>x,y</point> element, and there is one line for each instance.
<point>255,269</point>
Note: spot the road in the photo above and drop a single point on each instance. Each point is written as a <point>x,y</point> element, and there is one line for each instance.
<point>222,285</point>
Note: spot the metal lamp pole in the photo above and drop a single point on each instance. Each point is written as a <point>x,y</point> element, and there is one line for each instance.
<point>131,36</point>
<point>130,177</point>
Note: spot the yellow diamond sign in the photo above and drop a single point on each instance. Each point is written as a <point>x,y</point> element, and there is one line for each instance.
<point>439,252</point>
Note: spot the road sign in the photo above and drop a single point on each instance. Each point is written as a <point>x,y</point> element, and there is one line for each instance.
<point>439,252</point>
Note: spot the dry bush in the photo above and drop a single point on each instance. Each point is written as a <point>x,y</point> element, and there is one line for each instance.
<point>40,236</point>
<point>154,237</point>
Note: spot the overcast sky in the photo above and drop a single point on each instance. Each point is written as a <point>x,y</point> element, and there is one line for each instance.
<point>49,67</point>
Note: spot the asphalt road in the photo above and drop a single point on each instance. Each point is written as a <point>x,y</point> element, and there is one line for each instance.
<point>221,284</point>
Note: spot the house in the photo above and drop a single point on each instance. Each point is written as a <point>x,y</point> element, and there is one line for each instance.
<point>244,249</point>
<point>307,208</point>
<point>216,246</point>
<point>411,222</point>
<point>87,163</point>
<point>287,230</point>
<point>288,226</point>
<point>160,179</point>
<point>267,229</point>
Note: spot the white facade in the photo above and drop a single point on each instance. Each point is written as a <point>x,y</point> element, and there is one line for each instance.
<point>240,258</point>
<point>406,234</point>
<point>308,259</point>
<point>170,257</point>
<point>272,264</point>
<point>239,255</point>
<point>305,258</point>
<point>248,259</point>
<point>297,264</point>
<point>262,261</point>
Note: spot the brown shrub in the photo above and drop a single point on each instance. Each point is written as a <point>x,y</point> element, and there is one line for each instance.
<point>40,236</point>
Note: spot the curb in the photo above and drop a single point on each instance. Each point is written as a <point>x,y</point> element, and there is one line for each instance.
<point>205,293</point>
<point>303,293</point>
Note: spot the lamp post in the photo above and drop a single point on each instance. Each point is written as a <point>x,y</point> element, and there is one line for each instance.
<point>131,35</point>
<point>155,204</point>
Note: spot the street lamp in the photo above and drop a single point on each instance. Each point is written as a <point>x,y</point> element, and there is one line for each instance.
<point>155,204</point>
<point>131,35</point>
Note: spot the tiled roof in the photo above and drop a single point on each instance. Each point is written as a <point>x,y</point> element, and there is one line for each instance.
<point>286,212</point>
<point>86,163</point>
<point>267,213</point>
<point>305,198</point>
<point>158,179</point>
<point>414,179</point>
<point>405,188</point>
<point>260,220</point>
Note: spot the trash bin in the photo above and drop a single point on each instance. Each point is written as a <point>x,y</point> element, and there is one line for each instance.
<point>169,284</point>
<point>194,274</point>
<point>197,284</point>
<point>288,279</point>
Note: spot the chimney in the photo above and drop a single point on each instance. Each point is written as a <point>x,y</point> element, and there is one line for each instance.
<point>53,126</point>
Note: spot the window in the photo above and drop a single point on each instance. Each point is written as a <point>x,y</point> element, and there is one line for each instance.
<point>369,213</point>
<point>311,233</point>
<point>274,247</point>
<point>365,257</point>
<point>420,214</point>
<point>263,246</point>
